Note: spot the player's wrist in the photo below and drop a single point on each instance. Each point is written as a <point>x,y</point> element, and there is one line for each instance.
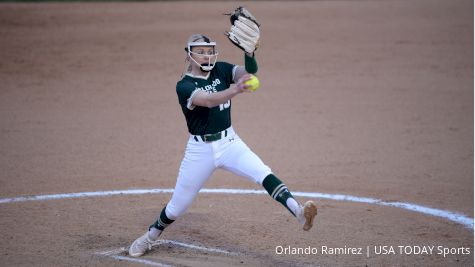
<point>237,89</point>
<point>250,63</point>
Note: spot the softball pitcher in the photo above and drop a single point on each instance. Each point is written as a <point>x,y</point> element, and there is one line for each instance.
<point>204,94</point>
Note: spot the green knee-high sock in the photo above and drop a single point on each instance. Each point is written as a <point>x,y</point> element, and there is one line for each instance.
<point>279,191</point>
<point>162,222</point>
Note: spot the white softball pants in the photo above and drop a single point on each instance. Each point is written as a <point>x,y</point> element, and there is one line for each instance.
<point>202,158</point>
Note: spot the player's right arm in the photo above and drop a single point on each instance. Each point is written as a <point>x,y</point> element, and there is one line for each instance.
<point>204,99</point>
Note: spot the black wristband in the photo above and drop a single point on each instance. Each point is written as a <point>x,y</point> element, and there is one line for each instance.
<point>250,63</point>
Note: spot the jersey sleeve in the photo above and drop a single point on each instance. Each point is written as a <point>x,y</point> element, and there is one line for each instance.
<point>186,91</point>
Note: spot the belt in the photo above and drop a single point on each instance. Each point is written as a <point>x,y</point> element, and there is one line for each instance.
<point>211,137</point>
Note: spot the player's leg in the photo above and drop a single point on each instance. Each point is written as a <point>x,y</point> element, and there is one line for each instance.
<point>195,169</point>
<point>278,190</point>
<point>241,160</point>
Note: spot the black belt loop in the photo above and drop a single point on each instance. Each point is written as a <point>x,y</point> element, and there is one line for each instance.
<point>225,133</point>
<point>196,138</point>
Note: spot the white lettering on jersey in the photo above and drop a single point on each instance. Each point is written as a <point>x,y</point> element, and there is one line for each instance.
<point>211,88</point>
<point>225,105</point>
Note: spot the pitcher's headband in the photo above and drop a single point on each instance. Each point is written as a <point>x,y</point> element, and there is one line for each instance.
<point>202,44</point>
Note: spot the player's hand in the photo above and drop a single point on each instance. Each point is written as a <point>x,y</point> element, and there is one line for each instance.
<point>241,86</point>
<point>244,32</point>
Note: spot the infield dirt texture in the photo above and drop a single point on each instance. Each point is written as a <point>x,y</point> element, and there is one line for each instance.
<point>364,98</point>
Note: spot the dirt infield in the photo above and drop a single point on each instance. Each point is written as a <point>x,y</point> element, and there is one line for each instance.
<point>371,99</point>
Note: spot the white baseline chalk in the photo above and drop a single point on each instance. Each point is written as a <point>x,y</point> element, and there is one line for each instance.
<point>449,215</point>
<point>114,254</point>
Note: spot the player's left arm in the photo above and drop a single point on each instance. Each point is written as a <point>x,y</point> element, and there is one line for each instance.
<point>250,67</point>
<point>245,34</point>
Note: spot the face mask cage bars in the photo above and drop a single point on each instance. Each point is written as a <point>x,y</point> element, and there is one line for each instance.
<point>210,65</point>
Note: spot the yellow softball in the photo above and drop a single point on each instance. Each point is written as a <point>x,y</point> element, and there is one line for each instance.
<point>253,83</point>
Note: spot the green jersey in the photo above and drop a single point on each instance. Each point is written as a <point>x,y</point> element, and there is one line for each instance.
<point>203,120</point>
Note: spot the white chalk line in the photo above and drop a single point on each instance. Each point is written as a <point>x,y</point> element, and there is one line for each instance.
<point>449,215</point>
<point>195,247</point>
<point>143,261</point>
<point>114,254</point>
